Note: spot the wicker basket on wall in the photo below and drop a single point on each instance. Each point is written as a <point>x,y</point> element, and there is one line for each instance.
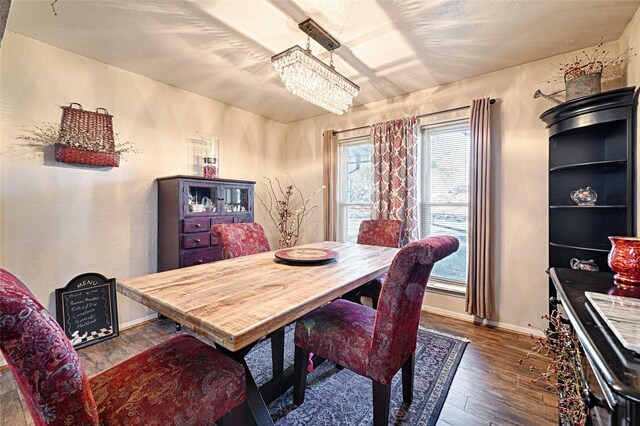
<point>86,137</point>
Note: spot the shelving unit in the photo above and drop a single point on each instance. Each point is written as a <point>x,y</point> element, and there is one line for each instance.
<point>187,207</point>
<point>591,144</point>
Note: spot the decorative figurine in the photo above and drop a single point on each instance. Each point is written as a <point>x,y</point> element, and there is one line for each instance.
<point>584,265</point>
<point>584,196</point>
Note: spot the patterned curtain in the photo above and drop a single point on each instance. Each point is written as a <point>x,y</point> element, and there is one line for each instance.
<point>394,159</point>
<point>330,177</point>
<point>479,297</point>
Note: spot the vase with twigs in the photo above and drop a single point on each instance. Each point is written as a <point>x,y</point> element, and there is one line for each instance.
<point>288,208</point>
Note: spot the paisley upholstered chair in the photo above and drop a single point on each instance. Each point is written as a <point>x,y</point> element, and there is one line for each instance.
<point>382,232</point>
<point>374,344</point>
<point>240,239</point>
<point>244,239</point>
<point>179,381</point>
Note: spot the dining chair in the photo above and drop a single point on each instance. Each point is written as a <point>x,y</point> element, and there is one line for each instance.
<point>374,343</point>
<point>244,239</point>
<point>179,381</point>
<point>384,233</point>
<point>240,239</point>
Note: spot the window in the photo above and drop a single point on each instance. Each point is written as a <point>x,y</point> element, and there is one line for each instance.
<point>355,186</point>
<point>443,188</point>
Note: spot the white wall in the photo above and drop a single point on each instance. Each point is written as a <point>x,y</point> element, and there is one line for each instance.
<point>58,220</point>
<point>519,164</point>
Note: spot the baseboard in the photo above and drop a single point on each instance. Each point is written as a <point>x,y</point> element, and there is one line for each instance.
<point>123,326</point>
<point>470,318</point>
<point>137,321</point>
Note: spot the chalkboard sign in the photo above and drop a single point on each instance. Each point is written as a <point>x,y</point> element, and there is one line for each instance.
<point>86,309</point>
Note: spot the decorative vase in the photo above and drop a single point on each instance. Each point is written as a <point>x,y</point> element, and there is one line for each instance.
<point>624,260</point>
<point>585,84</point>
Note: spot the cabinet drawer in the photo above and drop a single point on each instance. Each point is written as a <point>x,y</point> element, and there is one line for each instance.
<point>197,257</point>
<point>200,239</point>
<point>221,219</point>
<point>242,219</point>
<point>195,225</point>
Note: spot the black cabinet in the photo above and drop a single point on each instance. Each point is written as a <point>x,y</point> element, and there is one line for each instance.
<point>591,144</point>
<point>187,207</point>
<point>616,370</point>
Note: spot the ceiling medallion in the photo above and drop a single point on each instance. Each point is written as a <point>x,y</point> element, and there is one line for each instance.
<point>308,77</point>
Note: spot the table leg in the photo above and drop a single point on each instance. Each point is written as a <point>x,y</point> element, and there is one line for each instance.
<point>255,401</point>
<point>277,352</point>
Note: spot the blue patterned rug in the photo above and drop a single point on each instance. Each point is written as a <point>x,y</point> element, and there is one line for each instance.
<point>341,397</point>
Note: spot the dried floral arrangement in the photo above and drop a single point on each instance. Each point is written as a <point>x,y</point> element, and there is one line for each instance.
<point>288,208</point>
<point>596,59</point>
<point>48,134</point>
<point>565,373</point>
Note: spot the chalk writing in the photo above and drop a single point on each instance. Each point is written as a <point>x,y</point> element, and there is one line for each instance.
<point>86,309</point>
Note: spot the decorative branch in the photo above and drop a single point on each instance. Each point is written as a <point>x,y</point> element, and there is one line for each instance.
<point>595,60</point>
<point>564,375</point>
<point>287,207</point>
<point>49,134</point>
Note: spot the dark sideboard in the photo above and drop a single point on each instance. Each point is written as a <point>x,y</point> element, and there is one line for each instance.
<point>616,369</point>
<point>187,207</point>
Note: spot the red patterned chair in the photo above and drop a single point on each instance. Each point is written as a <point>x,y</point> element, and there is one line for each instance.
<point>374,344</point>
<point>240,239</point>
<point>385,233</point>
<point>179,381</point>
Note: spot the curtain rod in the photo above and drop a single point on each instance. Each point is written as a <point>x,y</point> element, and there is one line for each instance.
<point>492,101</point>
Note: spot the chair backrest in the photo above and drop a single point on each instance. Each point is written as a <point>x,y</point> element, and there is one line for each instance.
<point>400,304</point>
<point>42,359</point>
<point>240,239</point>
<point>383,232</point>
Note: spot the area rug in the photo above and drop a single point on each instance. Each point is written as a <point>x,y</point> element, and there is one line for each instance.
<point>341,397</point>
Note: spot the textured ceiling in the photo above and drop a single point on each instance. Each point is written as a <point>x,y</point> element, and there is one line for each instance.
<point>221,49</point>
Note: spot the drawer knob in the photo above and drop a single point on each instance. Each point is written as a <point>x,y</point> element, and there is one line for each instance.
<point>199,261</point>
<point>196,240</point>
<point>198,225</point>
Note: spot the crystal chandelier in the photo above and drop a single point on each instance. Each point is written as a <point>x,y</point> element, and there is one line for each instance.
<point>306,76</point>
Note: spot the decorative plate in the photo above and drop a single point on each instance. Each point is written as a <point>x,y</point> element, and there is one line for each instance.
<point>306,255</point>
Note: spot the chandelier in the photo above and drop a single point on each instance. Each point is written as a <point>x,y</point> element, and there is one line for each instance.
<point>306,76</point>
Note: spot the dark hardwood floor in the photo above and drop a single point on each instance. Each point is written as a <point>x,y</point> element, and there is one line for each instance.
<point>490,387</point>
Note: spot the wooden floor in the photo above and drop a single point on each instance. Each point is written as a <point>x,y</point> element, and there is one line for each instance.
<point>489,388</point>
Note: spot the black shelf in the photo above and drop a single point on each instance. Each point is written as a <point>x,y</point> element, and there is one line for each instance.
<point>567,246</point>
<point>591,144</point>
<point>614,206</point>
<point>590,165</point>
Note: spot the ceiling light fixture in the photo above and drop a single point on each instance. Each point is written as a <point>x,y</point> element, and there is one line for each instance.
<point>306,76</point>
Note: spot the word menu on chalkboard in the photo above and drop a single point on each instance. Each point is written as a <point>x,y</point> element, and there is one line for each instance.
<point>86,309</point>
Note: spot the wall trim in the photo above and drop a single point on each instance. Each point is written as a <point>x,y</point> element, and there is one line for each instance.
<point>470,318</point>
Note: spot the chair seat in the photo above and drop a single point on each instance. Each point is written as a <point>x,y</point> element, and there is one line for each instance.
<point>181,379</point>
<point>340,331</point>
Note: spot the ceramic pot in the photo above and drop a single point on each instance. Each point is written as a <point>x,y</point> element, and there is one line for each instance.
<point>624,259</point>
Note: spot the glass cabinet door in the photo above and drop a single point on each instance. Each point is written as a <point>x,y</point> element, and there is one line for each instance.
<point>236,199</point>
<point>201,198</point>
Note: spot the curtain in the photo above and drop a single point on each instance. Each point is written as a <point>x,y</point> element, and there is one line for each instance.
<point>394,159</point>
<point>5,5</point>
<point>330,177</point>
<point>479,297</point>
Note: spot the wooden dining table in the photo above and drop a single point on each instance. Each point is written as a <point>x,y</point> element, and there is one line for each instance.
<point>236,302</point>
